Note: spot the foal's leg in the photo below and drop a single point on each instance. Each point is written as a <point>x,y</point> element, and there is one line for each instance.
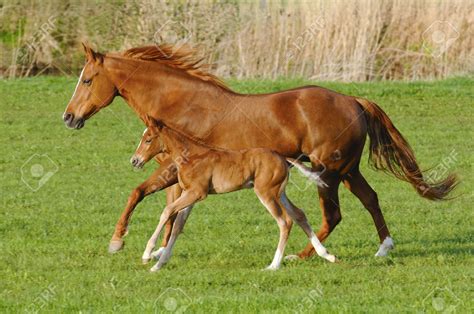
<point>162,178</point>
<point>186,199</point>
<point>172,194</point>
<point>357,184</point>
<point>270,201</point>
<point>164,254</point>
<point>300,218</point>
<point>331,213</point>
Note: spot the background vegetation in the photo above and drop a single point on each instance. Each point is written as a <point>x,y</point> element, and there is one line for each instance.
<point>344,40</point>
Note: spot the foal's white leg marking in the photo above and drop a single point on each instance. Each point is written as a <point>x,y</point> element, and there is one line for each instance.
<point>152,241</point>
<point>156,255</point>
<point>177,228</point>
<point>385,247</point>
<point>281,243</point>
<point>276,260</point>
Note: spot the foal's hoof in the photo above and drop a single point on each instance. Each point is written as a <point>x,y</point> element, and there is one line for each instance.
<point>271,268</point>
<point>331,258</point>
<point>145,260</point>
<point>115,246</point>
<point>157,254</point>
<point>154,269</point>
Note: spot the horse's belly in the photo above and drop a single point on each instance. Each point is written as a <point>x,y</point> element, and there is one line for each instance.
<point>226,185</point>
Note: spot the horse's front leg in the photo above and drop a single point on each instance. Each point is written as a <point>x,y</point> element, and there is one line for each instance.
<point>162,178</point>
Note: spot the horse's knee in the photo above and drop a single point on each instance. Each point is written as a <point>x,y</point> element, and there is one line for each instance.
<point>137,194</point>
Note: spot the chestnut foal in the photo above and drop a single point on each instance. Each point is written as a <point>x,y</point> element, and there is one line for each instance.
<point>208,170</point>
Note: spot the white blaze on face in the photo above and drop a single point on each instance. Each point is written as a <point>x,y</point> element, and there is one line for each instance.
<point>77,85</point>
<point>139,144</point>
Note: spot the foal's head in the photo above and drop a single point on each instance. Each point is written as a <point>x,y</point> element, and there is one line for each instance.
<point>94,91</point>
<point>151,143</point>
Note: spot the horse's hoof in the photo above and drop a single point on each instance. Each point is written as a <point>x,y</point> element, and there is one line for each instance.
<point>292,258</point>
<point>385,247</point>
<point>154,269</point>
<point>145,260</point>
<point>115,246</point>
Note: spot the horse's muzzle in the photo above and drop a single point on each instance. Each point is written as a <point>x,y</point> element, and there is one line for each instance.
<point>137,162</point>
<point>72,122</point>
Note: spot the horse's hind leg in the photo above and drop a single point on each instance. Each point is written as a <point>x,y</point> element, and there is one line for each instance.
<point>269,199</point>
<point>300,218</point>
<point>357,184</point>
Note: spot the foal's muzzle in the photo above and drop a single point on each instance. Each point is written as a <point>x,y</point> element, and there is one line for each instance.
<point>73,122</point>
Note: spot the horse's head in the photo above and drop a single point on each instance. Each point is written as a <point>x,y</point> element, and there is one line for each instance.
<point>94,91</point>
<point>151,143</point>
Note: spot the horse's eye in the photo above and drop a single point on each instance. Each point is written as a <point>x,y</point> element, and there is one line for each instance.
<point>87,82</point>
<point>148,141</point>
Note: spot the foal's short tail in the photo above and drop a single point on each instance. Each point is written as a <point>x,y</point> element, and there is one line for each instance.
<point>389,151</point>
<point>308,172</point>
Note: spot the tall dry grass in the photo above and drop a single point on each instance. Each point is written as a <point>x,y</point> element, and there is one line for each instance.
<point>324,40</point>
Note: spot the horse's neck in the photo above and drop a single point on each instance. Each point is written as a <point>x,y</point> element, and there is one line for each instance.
<point>179,146</point>
<point>166,93</point>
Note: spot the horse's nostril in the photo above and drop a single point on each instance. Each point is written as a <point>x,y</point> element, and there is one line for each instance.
<point>67,116</point>
<point>80,123</point>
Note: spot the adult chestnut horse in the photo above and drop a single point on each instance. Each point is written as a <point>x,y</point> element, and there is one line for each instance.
<point>316,124</point>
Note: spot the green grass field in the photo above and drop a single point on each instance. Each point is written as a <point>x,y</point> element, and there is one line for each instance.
<point>54,241</point>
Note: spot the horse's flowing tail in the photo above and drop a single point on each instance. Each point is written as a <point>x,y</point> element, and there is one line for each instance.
<point>307,172</point>
<point>389,151</point>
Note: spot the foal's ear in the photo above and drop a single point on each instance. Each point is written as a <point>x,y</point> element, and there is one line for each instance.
<point>152,122</point>
<point>149,121</point>
<point>91,55</point>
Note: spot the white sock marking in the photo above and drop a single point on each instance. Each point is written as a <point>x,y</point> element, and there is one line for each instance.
<point>385,247</point>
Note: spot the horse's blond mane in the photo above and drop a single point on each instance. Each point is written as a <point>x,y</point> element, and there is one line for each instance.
<point>183,58</point>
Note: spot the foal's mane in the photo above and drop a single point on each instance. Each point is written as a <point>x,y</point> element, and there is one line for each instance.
<point>188,137</point>
<point>183,58</point>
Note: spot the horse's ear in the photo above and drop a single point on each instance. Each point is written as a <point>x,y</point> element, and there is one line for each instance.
<point>91,55</point>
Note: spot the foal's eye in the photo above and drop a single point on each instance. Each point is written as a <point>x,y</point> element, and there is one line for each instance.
<point>148,141</point>
<point>87,82</point>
